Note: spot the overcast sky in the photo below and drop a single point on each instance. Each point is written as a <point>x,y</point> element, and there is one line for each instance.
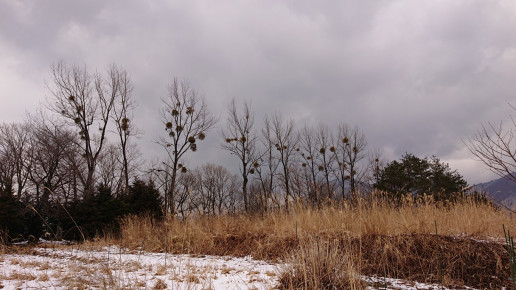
<point>415,76</point>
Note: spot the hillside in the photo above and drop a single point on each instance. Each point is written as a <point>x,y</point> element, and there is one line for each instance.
<point>502,190</point>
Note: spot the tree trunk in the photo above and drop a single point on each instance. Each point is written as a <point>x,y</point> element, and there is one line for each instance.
<point>244,192</point>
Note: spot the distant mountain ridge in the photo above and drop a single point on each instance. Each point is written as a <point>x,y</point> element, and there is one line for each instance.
<point>502,190</point>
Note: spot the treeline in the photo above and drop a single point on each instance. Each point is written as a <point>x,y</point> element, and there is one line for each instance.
<point>59,173</point>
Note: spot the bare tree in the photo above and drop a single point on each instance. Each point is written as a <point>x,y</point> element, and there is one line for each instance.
<point>6,171</point>
<point>217,188</point>
<point>350,150</point>
<point>110,172</point>
<point>76,169</point>
<point>326,157</point>
<point>375,166</point>
<point>15,157</point>
<point>285,141</point>
<point>159,174</point>
<point>114,168</point>
<point>86,101</point>
<point>7,162</point>
<point>495,147</point>
<point>123,117</point>
<point>186,119</point>
<point>266,166</point>
<point>187,187</point>
<point>299,185</point>
<point>233,200</point>
<point>308,152</point>
<point>240,140</point>
<point>51,146</point>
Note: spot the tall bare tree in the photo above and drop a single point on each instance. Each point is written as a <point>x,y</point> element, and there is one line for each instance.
<point>86,101</point>
<point>349,152</point>
<point>495,146</point>
<point>326,157</point>
<point>375,166</point>
<point>285,141</point>
<point>266,167</point>
<point>240,140</point>
<point>308,152</point>
<point>186,119</point>
<point>123,117</point>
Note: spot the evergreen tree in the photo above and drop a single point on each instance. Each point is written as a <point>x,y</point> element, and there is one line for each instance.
<point>94,215</point>
<point>143,198</point>
<point>11,217</point>
<point>418,176</point>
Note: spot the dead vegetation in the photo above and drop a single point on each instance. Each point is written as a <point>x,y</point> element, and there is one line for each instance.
<point>330,247</point>
<point>319,263</point>
<point>371,237</point>
<point>415,257</point>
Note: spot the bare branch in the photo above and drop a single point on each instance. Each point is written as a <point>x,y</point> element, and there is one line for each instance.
<point>186,120</point>
<point>494,146</point>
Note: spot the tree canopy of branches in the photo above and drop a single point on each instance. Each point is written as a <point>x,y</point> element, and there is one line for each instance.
<point>240,140</point>
<point>15,159</point>
<point>268,164</point>
<point>52,146</point>
<point>123,118</point>
<point>86,101</point>
<point>285,139</point>
<point>349,152</point>
<point>186,120</point>
<point>308,151</point>
<point>418,176</point>
<point>495,146</point>
<point>64,160</point>
<point>217,190</point>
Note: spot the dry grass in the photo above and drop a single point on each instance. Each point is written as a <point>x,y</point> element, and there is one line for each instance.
<point>415,257</point>
<point>23,276</point>
<point>322,264</point>
<point>160,285</point>
<point>328,247</point>
<point>208,235</point>
<point>387,240</point>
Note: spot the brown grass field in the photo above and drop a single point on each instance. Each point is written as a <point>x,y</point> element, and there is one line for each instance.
<point>331,246</point>
<point>370,237</point>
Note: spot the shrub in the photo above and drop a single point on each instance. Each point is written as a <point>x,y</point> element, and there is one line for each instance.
<point>143,199</point>
<point>93,215</point>
<point>11,218</point>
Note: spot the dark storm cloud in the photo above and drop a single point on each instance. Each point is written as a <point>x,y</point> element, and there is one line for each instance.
<point>416,76</point>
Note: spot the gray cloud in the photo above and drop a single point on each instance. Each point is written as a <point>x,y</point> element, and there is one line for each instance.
<point>416,76</point>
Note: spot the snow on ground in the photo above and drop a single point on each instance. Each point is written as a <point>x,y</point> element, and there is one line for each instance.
<point>112,267</point>
<point>65,267</point>
<point>390,283</point>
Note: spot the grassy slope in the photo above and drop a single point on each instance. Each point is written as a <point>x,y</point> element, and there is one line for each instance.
<point>371,236</point>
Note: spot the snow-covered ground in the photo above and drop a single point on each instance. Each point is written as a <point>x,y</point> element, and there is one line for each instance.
<point>111,267</point>
<point>65,267</point>
<point>389,283</point>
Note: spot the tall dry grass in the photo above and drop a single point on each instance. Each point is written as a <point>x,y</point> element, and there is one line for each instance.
<point>323,264</point>
<point>331,246</point>
<point>371,236</point>
<point>370,216</point>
